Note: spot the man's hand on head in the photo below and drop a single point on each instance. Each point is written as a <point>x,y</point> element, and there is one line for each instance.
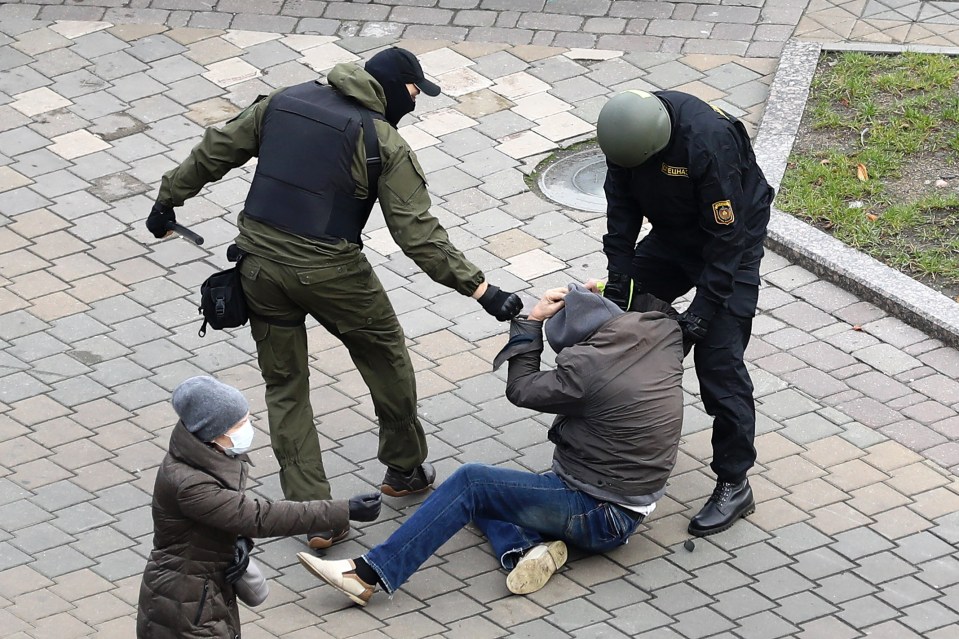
<point>549,304</point>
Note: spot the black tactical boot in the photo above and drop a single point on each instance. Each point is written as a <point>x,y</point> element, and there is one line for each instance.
<point>728,503</point>
<point>320,539</point>
<point>398,484</point>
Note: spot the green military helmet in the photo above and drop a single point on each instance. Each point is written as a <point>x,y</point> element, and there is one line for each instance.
<point>633,126</point>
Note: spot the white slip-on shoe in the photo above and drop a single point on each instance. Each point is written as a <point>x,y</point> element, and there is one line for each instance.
<point>536,567</point>
<point>341,574</point>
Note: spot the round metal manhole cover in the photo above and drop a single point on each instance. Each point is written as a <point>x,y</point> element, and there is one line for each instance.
<point>576,181</point>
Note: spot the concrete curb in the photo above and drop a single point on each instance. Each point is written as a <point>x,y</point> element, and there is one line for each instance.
<point>897,294</point>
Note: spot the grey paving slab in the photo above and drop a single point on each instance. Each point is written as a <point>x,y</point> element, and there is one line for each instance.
<point>701,623</point>
<point>922,547</point>
<point>866,611</point>
<point>884,567</point>
<point>906,591</point>
<point>54,497</point>
<point>22,514</point>
<point>21,140</point>
<point>802,607</point>
<point>10,557</point>
<point>940,573</point>
<point>577,88</point>
<point>499,125</point>
<point>41,537</point>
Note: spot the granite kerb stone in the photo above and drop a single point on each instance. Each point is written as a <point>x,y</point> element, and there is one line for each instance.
<point>827,257</point>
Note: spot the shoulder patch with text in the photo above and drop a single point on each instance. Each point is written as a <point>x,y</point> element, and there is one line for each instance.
<point>675,171</point>
<point>723,212</point>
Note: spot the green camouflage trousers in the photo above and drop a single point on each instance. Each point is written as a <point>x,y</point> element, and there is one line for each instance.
<point>343,294</point>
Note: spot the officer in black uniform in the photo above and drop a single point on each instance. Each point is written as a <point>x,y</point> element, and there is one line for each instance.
<point>689,169</point>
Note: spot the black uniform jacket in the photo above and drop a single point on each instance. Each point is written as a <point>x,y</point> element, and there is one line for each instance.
<point>704,196</point>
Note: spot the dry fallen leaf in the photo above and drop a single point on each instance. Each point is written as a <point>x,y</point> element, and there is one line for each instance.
<point>861,172</point>
<point>872,217</point>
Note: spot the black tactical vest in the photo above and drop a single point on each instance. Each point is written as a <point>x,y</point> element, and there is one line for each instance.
<point>303,182</point>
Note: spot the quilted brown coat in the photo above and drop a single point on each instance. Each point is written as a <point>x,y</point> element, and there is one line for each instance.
<point>199,509</point>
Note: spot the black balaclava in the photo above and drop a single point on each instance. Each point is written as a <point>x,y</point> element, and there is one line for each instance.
<point>394,68</point>
<point>399,102</point>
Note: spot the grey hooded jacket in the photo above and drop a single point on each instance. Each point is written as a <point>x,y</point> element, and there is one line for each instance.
<point>618,400</point>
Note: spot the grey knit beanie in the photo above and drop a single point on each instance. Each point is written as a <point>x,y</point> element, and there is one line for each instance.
<point>207,407</point>
<point>582,315</point>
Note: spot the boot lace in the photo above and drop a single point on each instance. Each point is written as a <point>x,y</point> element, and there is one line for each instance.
<point>722,491</point>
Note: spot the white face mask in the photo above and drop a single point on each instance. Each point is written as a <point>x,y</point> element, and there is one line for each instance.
<point>242,439</point>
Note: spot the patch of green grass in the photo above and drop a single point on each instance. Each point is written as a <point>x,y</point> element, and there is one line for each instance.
<point>898,116</point>
<point>919,236</point>
<point>950,110</point>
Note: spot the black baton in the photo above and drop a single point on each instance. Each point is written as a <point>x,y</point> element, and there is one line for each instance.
<point>183,231</point>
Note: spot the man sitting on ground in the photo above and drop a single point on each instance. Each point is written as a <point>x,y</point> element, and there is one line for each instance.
<point>617,395</point>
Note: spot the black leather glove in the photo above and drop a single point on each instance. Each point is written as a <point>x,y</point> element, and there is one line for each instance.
<point>619,289</point>
<point>365,507</point>
<point>502,305</point>
<point>241,559</point>
<point>693,326</point>
<point>161,220</point>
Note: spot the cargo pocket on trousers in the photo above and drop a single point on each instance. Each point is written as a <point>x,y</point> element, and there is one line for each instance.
<point>745,298</point>
<point>250,267</point>
<point>373,309</point>
<point>260,331</point>
<point>275,348</point>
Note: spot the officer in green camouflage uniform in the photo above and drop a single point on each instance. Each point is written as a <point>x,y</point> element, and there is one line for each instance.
<point>300,233</point>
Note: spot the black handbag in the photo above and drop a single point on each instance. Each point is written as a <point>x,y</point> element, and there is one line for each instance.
<point>222,303</point>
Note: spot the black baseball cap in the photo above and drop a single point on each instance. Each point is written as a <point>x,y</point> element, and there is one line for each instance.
<point>400,63</point>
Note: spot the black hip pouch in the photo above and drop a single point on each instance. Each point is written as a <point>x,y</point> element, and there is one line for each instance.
<point>222,303</point>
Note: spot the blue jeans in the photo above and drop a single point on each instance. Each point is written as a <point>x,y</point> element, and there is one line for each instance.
<point>515,510</point>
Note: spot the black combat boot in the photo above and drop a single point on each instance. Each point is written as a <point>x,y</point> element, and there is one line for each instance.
<point>728,503</point>
<point>321,539</point>
<point>399,484</point>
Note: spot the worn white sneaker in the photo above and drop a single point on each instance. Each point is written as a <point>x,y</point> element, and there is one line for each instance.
<point>536,567</point>
<point>340,574</point>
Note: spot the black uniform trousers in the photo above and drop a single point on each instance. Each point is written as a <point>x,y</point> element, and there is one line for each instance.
<point>724,382</point>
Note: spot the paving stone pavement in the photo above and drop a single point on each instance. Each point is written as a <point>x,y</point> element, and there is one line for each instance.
<point>856,525</point>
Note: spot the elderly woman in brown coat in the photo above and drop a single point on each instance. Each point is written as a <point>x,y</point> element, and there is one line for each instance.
<point>200,511</point>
